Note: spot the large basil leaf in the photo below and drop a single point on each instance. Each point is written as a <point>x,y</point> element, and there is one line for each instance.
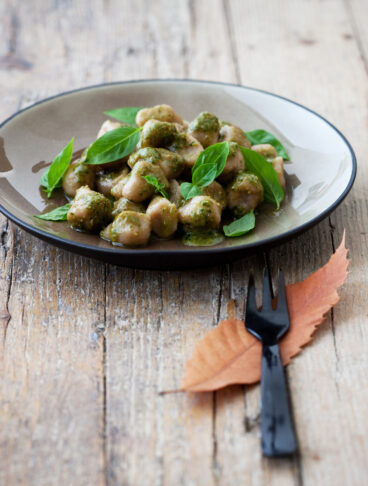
<point>262,136</point>
<point>125,115</point>
<point>58,214</point>
<point>273,192</point>
<point>204,175</point>
<point>114,145</point>
<point>240,226</point>
<point>52,177</point>
<point>210,164</point>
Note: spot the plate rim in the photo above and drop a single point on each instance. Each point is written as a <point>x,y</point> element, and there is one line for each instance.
<point>263,244</point>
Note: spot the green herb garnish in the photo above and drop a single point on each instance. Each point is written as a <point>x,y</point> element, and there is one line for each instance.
<point>213,160</point>
<point>240,226</point>
<point>258,165</point>
<point>262,136</point>
<point>125,115</point>
<point>58,214</point>
<point>44,180</point>
<point>189,190</point>
<point>209,165</point>
<point>52,177</point>
<point>156,184</point>
<point>114,145</point>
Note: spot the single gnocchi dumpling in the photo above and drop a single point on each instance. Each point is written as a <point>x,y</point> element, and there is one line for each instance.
<point>124,204</point>
<point>267,151</point>
<point>157,133</point>
<point>205,128</point>
<point>216,192</point>
<point>77,175</point>
<point>89,211</point>
<point>149,154</point>
<point>171,163</point>
<point>118,186</point>
<point>129,228</point>
<point>106,179</point>
<point>137,189</point>
<point>233,133</point>
<point>244,193</point>
<point>187,147</point>
<point>234,163</point>
<point>159,112</point>
<point>201,212</point>
<point>163,215</point>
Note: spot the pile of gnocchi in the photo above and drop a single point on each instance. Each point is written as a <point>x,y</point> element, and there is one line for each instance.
<point>127,200</point>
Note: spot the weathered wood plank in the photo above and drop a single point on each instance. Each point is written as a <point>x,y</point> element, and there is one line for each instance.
<point>52,385</point>
<point>52,394</point>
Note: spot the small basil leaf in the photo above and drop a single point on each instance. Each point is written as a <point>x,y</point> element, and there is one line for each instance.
<point>258,165</point>
<point>58,214</point>
<point>240,226</point>
<point>114,145</point>
<point>215,155</point>
<point>188,190</point>
<point>125,115</point>
<point>262,136</point>
<point>44,180</point>
<point>156,184</point>
<point>57,169</point>
<point>204,175</point>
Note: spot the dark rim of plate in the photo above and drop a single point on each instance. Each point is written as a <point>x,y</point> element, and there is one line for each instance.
<point>214,250</point>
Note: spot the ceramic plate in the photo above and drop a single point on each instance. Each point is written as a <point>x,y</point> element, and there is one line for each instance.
<point>320,174</point>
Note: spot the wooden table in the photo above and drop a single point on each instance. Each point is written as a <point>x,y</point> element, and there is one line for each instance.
<point>86,346</point>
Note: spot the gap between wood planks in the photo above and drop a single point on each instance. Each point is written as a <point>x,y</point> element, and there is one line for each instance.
<point>7,244</point>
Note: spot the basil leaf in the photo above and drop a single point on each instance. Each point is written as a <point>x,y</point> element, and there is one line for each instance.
<point>188,190</point>
<point>44,180</point>
<point>58,214</point>
<point>262,136</point>
<point>156,184</point>
<point>240,226</point>
<point>204,175</point>
<point>125,115</point>
<point>210,164</point>
<point>114,145</point>
<point>57,169</point>
<point>273,192</point>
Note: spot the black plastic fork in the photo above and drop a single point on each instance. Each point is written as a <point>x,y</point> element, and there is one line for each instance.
<point>269,325</point>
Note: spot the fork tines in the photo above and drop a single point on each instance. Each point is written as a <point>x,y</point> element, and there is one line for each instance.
<point>268,293</point>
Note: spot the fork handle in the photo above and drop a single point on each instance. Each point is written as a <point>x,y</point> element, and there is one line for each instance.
<point>278,437</point>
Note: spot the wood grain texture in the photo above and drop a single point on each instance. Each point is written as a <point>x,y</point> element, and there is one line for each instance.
<point>87,347</point>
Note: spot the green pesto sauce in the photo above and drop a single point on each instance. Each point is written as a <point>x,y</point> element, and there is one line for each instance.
<point>202,238</point>
<point>205,122</point>
<point>82,172</point>
<point>233,147</point>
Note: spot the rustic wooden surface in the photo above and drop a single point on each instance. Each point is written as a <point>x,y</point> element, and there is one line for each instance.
<point>86,347</point>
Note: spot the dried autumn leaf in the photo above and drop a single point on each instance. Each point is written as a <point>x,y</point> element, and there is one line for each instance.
<point>230,355</point>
